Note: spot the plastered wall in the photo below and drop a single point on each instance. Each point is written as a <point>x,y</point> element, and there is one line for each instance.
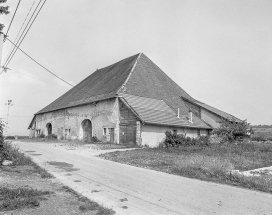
<point>100,114</point>
<point>152,135</point>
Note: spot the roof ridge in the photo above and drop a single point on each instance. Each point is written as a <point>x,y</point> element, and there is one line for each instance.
<point>132,69</point>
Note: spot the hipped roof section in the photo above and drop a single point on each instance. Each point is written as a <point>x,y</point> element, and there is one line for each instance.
<point>157,112</point>
<point>136,75</point>
<point>102,84</point>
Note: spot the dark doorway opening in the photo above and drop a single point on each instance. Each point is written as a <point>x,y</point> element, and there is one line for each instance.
<point>87,130</point>
<point>49,128</point>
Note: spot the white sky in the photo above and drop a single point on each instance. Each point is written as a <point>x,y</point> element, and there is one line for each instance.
<point>220,52</point>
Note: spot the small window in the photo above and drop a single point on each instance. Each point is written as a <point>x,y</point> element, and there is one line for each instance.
<point>67,132</point>
<point>198,132</point>
<point>104,131</point>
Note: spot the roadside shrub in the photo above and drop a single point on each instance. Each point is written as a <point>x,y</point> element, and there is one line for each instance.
<point>17,198</point>
<point>231,130</point>
<point>178,140</point>
<point>2,155</point>
<point>13,154</point>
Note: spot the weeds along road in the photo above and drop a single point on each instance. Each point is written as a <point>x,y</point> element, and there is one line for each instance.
<point>131,190</point>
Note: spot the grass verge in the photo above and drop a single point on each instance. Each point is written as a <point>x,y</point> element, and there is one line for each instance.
<point>88,205</point>
<point>212,163</point>
<point>18,198</point>
<point>17,193</point>
<point>18,158</point>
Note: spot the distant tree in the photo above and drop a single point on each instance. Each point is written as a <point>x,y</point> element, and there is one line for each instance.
<point>3,10</point>
<point>232,130</point>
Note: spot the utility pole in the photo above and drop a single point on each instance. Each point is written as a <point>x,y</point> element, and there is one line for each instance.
<point>8,104</point>
<point>1,46</point>
<point>2,40</point>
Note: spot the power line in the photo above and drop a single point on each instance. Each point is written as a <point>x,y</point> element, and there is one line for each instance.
<point>37,78</point>
<point>21,27</point>
<point>19,43</point>
<point>48,69</point>
<point>40,64</point>
<point>13,17</point>
<point>17,46</point>
<point>13,50</point>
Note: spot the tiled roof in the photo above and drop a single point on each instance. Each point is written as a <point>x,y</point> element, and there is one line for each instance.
<point>102,84</point>
<point>212,109</point>
<point>149,81</point>
<point>155,111</point>
<point>218,112</point>
<point>137,76</point>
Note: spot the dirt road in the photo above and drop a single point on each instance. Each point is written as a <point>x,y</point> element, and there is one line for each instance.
<point>131,190</point>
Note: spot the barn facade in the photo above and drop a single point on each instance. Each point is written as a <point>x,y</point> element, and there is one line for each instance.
<point>130,102</point>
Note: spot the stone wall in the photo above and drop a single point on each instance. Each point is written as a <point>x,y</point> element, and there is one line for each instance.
<point>66,123</point>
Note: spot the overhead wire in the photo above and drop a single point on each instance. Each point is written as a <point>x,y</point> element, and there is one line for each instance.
<point>13,17</point>
<point>37,78</point>
<point>21,27</point>
<point>47,69</point>
<point>39,63</point>
<point>18,43</point>
<point>17,46</point>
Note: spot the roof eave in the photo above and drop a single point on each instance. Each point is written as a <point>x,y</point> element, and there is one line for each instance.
<point>71,106</point>
<point>178,126</point>
<point>209,110</point>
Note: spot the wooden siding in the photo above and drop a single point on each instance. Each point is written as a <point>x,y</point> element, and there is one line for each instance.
<point>127,125</point>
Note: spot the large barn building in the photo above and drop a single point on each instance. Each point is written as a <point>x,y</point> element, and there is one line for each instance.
<point>130,102</point>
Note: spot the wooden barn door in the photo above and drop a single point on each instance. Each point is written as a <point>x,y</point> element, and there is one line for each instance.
<point>87,130</point>
<point>111,131</point>
<point>128,134</point>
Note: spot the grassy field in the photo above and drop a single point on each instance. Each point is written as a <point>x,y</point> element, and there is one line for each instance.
<point>25,188</point>
<point>212,163</point>
<point>265,132</point>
